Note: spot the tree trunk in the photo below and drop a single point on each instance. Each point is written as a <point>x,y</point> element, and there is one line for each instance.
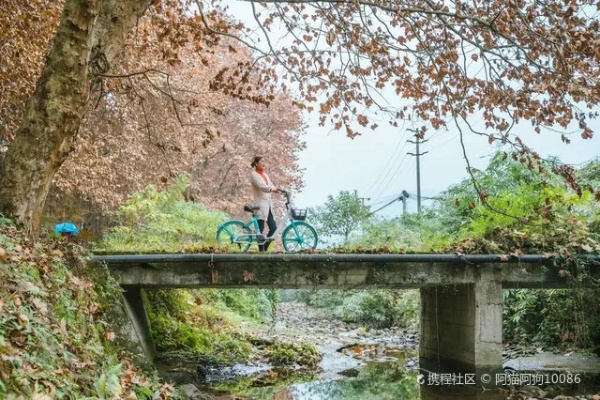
<point>91,33</point>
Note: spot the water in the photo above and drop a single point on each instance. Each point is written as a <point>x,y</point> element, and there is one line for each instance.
<point>369,380</point>
<point>389,376</point>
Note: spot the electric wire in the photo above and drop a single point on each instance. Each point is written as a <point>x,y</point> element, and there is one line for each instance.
<point>376,186</point>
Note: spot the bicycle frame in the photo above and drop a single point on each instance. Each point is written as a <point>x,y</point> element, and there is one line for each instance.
<point>259,238</point>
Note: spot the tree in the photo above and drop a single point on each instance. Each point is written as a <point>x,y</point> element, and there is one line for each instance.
<point>88,38</point>
<point>342,215</point>
<point>510,60</point>
<point>26,29</point>
<point>152,126</point>
<point>408,232</point>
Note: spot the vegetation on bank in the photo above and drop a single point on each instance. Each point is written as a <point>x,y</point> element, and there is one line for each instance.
<point>57,327</point>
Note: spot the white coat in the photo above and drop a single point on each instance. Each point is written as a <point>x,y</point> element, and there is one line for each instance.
<point>262,194</point>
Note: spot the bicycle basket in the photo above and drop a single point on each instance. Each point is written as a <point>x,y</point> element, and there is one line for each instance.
<point>299,214</point>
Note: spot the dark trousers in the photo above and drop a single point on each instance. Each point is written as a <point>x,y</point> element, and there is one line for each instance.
<point>272,228</point>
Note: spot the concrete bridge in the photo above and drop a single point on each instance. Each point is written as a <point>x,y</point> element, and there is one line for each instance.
<point>461,296</point>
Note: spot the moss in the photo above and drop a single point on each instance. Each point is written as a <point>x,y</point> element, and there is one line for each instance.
<point>302,354</point>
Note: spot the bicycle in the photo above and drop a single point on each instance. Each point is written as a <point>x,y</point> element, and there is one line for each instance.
<point>297,235</point>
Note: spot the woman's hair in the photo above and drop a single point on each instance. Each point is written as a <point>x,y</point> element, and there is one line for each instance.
<point>255,161</point>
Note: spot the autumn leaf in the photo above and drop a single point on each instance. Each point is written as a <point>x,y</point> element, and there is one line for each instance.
<point>57,253</point>
<point>248,276</point>
<point>362,120</point>
<point>563,273</point>
<point>330,37</point>
<point>587,134</point>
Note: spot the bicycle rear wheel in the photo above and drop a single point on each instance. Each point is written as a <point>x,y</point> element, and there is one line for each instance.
<point>229,231</point>
<point>299,236</point>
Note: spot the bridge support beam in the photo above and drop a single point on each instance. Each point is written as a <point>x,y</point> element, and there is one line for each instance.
<point>134,305</point>
<point>461,328</point>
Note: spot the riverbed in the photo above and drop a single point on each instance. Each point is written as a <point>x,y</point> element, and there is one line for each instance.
<point>373,364</point>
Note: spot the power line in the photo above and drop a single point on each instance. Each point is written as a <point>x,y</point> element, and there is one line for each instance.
<point>402,197</point>
<point>394,175</point>
<point>385,168</point>
<point>384,199</point>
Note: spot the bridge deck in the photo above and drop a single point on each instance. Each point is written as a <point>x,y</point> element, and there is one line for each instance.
<point>293,270</point>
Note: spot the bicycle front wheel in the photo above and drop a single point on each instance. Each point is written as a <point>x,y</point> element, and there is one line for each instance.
<point>229,235</point>
<point>299,236</point>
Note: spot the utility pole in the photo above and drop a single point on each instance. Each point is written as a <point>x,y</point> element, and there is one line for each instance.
<point>404,197</point>
<point>362,198</point>
<point>418,155</point>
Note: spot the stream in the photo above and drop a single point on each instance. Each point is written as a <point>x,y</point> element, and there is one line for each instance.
<point>370,364</point>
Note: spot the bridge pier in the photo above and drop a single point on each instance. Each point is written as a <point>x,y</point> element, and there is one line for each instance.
<point>134,305</point>
<point>461,328</point>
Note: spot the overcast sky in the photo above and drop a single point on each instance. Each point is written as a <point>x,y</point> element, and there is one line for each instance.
<point>377,166</point>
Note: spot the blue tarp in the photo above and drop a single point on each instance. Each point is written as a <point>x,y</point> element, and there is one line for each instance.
<point>66,227</point>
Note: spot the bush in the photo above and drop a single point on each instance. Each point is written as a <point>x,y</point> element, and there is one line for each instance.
<point>374,308</point>
<point>179,319</point>
<point>552,317</point>
<point>289,354</point>
<point>155,221</point>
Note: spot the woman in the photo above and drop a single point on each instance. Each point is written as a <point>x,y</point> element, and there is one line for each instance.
<point>262,190</point>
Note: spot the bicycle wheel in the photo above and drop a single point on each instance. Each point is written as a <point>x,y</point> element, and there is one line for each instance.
<point>300,236</point>
<point>229,231</point>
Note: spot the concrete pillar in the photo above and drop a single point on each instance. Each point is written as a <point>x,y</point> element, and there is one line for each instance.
<point>134,305</point>
<point>461,328</point>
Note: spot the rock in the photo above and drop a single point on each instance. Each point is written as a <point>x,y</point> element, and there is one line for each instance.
<point>531,392</point>
<point>191,392</point>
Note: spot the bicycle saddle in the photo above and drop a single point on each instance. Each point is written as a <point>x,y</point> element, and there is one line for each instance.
<point>251,208</point>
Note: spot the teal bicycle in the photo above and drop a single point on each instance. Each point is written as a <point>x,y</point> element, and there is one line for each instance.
<point>297,235</point>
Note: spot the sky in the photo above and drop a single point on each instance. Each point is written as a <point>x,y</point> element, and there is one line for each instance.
<point>377,167</point>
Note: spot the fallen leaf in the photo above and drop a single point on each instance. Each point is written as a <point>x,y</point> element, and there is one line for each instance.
<point>587,248</point>
<point>563,273</point>
<point>29,287</point>
<point>40,305</point>
<point>248,276</point>
<point>57,253</point>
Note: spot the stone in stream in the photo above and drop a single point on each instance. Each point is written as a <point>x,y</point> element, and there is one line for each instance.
<point>191,392</point>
